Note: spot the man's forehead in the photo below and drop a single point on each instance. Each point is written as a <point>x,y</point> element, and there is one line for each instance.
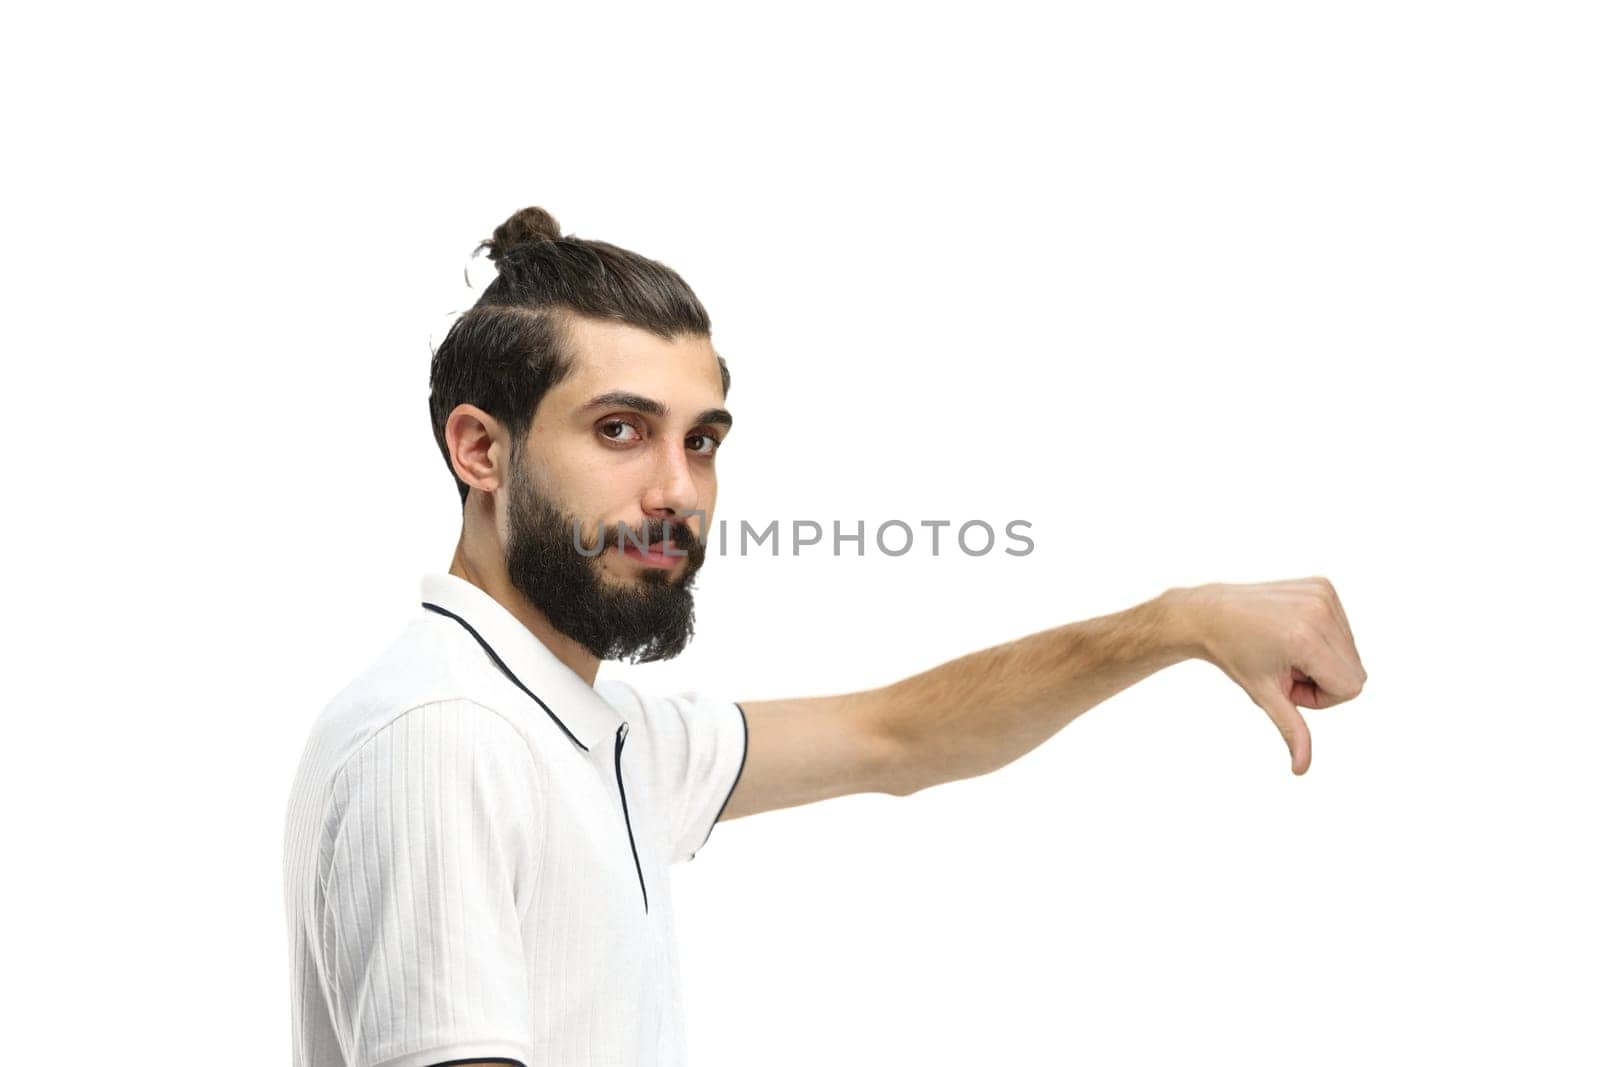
<point>682,374</point>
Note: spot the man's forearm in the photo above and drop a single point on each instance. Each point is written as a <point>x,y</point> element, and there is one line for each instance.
<point>977,713</point>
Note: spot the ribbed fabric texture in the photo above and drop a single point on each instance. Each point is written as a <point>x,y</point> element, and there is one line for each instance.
<point>434,823</point>
<point>459,877</point>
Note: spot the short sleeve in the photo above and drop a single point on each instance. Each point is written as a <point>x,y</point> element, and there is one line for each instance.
<point>433,843</point>
<point>697,742</point>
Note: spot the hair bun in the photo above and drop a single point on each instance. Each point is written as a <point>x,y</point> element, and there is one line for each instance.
<point>531,225</point>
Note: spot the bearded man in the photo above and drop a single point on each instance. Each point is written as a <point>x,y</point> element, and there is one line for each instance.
<point>478,839</point>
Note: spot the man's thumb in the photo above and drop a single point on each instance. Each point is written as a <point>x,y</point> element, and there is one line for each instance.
<point>1290,723</point>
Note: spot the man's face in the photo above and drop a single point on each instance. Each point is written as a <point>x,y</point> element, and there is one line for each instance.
<point>629,437</point>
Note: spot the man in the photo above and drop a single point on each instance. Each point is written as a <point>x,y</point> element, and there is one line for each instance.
<point>478,839</point>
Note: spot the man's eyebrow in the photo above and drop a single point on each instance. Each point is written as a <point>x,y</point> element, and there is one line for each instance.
<point>621,398</point>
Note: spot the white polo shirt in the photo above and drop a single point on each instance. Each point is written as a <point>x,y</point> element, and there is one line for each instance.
<point>476,852</point>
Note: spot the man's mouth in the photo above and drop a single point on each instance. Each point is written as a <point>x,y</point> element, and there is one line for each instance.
<point>656,555</point>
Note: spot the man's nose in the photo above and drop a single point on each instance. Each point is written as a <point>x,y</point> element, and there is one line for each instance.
<point>672,491</point>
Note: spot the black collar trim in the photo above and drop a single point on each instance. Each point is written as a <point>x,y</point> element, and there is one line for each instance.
<point>498,662</point>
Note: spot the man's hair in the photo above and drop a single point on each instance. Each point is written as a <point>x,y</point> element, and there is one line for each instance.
<point>511,347</point>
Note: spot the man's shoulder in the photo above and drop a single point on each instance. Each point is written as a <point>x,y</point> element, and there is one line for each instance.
<point>631,699</point>
<point>426,670</point>
<point>423,665</point>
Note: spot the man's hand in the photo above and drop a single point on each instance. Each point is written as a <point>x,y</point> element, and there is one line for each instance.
<point>1283,643</point>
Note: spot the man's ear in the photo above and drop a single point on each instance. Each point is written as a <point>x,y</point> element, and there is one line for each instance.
<point>479,447</point>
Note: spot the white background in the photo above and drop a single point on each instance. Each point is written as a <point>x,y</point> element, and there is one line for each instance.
<point>1220,292</point>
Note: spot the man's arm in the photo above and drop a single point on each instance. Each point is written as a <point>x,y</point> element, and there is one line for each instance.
<point>1284,643</point>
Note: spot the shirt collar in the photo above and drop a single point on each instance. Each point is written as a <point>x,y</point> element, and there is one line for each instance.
<point>583,714</point>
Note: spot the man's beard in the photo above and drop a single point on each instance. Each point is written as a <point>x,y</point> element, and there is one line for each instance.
<point>650,618</point>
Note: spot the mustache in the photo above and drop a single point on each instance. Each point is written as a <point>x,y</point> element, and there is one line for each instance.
<point>651,532</point>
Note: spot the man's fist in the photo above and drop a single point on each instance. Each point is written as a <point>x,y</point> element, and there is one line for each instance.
<point>1283,643</point>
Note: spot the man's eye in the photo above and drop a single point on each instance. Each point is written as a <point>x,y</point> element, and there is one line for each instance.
<point>618,425</point>
<point>710,443</point>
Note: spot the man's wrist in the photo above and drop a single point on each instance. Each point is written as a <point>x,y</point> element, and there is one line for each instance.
<point>1183,622</point>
